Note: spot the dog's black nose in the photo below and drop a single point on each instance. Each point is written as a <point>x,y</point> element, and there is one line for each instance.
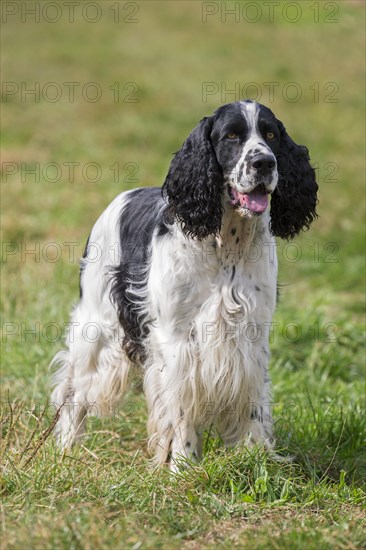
<point>263,163</point>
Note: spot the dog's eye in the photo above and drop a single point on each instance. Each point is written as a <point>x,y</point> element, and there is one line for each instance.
<point>270,135</point>
<point>232,136</point>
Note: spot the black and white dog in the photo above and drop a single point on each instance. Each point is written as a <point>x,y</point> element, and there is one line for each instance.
<point>182,280</point>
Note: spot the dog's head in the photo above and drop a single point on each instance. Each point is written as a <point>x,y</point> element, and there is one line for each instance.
<point>239,156</point>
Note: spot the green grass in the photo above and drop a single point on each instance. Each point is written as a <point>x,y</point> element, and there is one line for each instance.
<point>104,494</point>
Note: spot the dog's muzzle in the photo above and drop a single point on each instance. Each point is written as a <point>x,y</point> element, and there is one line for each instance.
<point>263,164</point>
<point>255,201</point>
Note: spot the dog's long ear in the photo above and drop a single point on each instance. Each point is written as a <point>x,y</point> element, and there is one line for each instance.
<point>194,184</point>
<point>294,201</point>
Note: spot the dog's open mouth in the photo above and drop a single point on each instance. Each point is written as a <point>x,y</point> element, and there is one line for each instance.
<point>255,201</point>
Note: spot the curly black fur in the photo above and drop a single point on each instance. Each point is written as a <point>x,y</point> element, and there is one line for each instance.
<point>194,184</point>
<point>294,201</point>
<point>141,216</point>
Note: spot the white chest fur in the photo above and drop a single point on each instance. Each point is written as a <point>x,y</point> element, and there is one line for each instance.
<point>211,304</point>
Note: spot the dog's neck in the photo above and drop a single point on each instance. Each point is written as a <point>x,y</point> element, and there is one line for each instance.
<point>241,229</point>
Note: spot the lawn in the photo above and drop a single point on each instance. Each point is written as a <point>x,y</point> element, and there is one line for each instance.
<point>95,99</point>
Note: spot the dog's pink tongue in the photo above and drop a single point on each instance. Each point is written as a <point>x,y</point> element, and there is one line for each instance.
<point>256,202</point>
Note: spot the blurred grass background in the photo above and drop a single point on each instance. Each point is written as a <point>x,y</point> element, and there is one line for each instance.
<point>168,55</point>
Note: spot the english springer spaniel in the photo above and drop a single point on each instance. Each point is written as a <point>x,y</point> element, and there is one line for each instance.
<point>182,281</point>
